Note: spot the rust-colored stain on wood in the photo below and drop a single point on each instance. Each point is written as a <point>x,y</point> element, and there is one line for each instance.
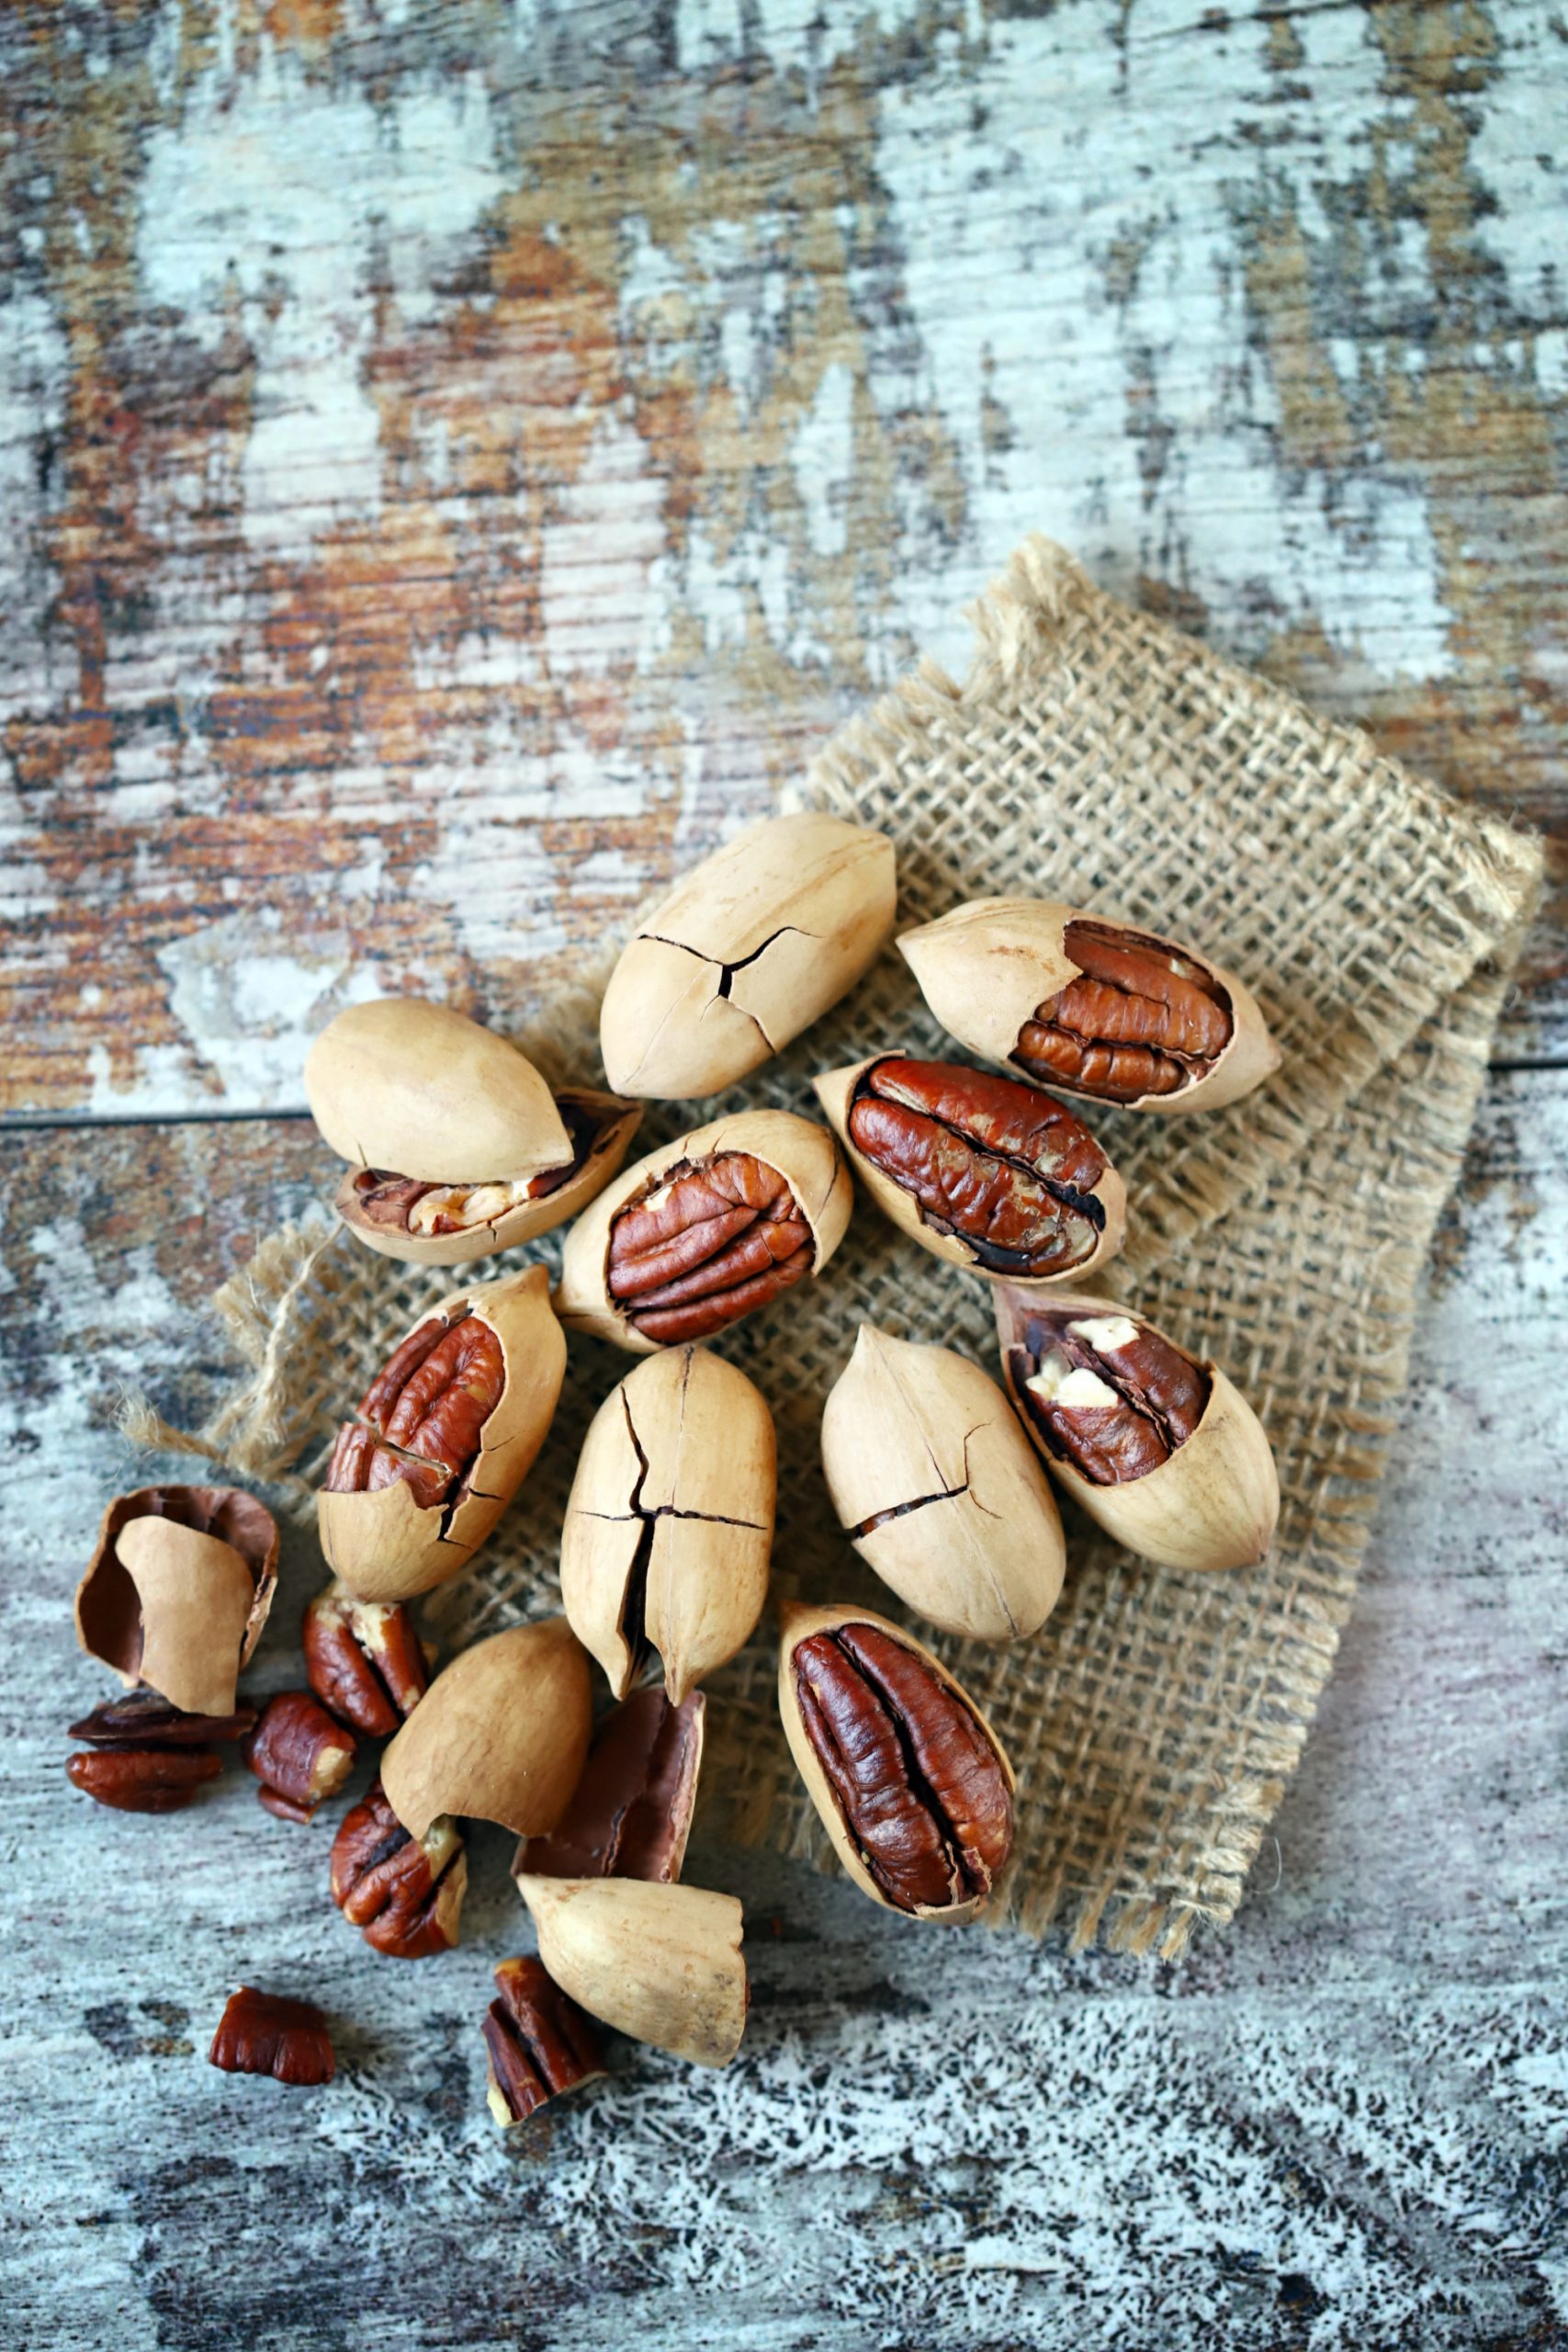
<point>457,460</point>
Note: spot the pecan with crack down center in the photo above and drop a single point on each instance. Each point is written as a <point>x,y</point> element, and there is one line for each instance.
<point>1107,1393</point>
<point>404,1892</point>
<point>713,1242</point>
<point>262,2033</point>
<point>363,1660</point>
<point>1138,1018</point>
<point>918,1781</point>
<point>1004,1167</point>
<point>423,1415</point>
<point>538,2042</point>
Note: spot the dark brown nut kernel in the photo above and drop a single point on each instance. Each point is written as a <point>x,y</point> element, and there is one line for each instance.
<point>716,1239</point>
<point>298,1753</point>
<point>1110,1395</point>
<point>262,2033</point>
<point>143,1779</point>
<point>405,1893</point>
<point>538,2041</point>
<point>632,1811</point>
<point>1139,1020</point>
<point>363,1660</point>
<point>145,1719</point>
<point>421,1415</point>
<point>1011,1173</point>
<point>909,1779</point>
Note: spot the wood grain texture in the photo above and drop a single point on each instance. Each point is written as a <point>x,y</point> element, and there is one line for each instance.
<point>456,458</point>
<point>1342,2122</point>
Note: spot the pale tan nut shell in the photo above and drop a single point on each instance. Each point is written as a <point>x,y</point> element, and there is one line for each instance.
<point>977,1547</point>
<point>835,1091</point>
<point>523,1223</point>
<point>797,1623</point>
<point>421,1091</point>
<point>985,967</point>
<point>188,1625</point>
<point>385,1546</point>
<point>1214,1505</point>
<point>501,1735</point>
<point>658,1961</point>
<point>706,1439</point>
<point>804,1154</point>
<point>793,910</point>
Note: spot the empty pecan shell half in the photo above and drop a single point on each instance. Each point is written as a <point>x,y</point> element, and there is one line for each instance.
<point>363,1660</point>
<point>631,1812</point>
<point>262,2033</point>
<point>405,1894</point>
<point>985,1171</point>
<point>537,2040</point>
<point>910,1779</point>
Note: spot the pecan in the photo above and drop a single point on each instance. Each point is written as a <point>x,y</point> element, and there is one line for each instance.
<point>144,1719</point>
<point>298,1753</point>
<point>363,1660</point>
<point>422,1416</point>
<point>405,1893</point>
<point>1012,1174</point>
<point>1106,1393</point>
<point>632,1808</point>
<point>262,2033</point>
<point>716,1239</point>
<point>919,1784</point>
<point>405,1204</point>
<point>1138,1019</point>
<point>538,2041</point>
<point>142,1779</point>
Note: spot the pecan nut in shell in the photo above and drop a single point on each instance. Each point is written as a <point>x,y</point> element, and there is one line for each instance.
<point>909,1779</point>
<point>985,1171</point>
<point>538,2042</point>
<point>1155,1444</point>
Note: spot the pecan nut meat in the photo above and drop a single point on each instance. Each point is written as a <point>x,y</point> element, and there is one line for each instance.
<point>537,2041</point>
<point>262,2033</point>
<point>1096,1007</point>
<point>147,1757</point>
<point>985,1171</point>
<point>444,1436</point>
<point>631,1812</point>
<point>910,1782</point>
<point>363,1660</point>
<point>404,1894</point>
<point>299,1754</point>
<point>1155,1443</point>
<point>707,1231</point>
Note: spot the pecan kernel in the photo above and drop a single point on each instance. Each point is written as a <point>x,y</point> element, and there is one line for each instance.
<point>1009,1170</point>
<point>1138,1019</point>
<point>144,1719</point>
<point>298,1753</point>
<point>714,1240</point>
<point>262,2033</point>
<point>363,1660</point>
<point>1108,1394</point>
<point>404,1892</point>
<point>421,1416</point>
<point>143,1779</point>
<point>537,2040</point>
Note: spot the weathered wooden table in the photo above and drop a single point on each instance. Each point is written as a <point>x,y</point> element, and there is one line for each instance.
<point>455,459</point>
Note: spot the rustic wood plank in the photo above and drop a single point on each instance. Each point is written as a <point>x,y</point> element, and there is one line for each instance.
<point>456,459</point>
<point>1339,2123</point>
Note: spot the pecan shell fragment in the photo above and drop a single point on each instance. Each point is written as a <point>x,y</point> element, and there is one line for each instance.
<point>262,2033</point>
<point>631,1812</point>
<point>538,2042</point>
<point>405,1894</point>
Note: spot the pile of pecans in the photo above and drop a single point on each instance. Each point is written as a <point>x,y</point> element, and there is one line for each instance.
<point>942,1481</point>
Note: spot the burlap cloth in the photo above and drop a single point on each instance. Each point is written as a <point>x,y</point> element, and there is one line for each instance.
<point>1096,756</point>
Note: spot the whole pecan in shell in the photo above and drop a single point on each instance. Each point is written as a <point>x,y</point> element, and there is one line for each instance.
<point>1004,1167</point>
<point>1139,1020</point>
<point>1110,1395</point>
<point>363,1660</point>
<point>420,1417</point>
<point>262,2033</point>
<point>538,2042</point>
<point>404,1892</point>
<point>716,1239</point>
<point>919,1784</point>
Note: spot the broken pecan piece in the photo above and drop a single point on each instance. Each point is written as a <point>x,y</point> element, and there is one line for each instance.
<point>1139,1020</point>
<point>713,1242</point>
<point>985,1170</point>
<point>406,1894</point>
<point>363,1660</point>
<point>910,1782</point>
<point>144,1719</point>
<point>298,1753</point>
<point>538,2042</point>
<point>262,2033</point>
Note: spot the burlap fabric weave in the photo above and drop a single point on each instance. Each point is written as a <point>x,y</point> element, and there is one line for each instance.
<point>1096,756</point>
